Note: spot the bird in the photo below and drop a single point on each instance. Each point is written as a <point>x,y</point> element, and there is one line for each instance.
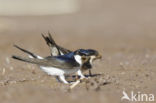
<point>57,50</point>
<point>58,66</point>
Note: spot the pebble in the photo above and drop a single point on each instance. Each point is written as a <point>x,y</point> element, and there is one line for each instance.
<point>7,60</point>
<point>11,68</point>
<point>3,71</point>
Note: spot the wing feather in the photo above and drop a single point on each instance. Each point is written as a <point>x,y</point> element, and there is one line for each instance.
<point>51,62</point>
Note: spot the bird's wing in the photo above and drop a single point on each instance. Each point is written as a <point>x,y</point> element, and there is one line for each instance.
<point>49,40</point>
<point>55,49</point>
<point>49,62</point>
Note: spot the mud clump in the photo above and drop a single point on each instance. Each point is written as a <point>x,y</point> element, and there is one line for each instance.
<point>95,83</point>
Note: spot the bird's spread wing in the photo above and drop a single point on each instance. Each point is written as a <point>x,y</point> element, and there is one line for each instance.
<point>49,62</point>
<point>55,49</point>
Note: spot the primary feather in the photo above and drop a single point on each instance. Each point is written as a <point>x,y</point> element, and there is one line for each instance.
<point>61,62</point>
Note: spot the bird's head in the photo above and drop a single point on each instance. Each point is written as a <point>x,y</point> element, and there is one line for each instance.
<point>93,54</point>
<point>86,55</point>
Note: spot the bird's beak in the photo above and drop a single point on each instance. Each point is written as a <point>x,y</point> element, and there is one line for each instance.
<point>99,57</point>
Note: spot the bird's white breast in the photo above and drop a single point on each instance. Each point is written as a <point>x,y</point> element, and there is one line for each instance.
<point>58,71</point>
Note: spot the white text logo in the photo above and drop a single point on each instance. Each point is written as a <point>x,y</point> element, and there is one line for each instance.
<point>137,96</point>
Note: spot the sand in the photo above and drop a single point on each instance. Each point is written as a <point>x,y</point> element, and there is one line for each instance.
<point>125,37</point>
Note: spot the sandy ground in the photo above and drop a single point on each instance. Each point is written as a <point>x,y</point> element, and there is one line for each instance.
<point>123,32</point>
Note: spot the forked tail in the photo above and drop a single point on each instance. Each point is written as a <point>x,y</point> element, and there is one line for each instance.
<point>26,51</point>
<point>29,60</point>
<point>31,55</point>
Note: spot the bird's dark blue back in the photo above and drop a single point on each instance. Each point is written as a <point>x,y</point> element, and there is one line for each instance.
<point>64,58</point>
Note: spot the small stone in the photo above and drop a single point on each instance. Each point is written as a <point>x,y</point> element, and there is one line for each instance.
<point>7,60</point>
<point>42,81</point>
<point>147,75</point>
<point>121,63</point>
<point>122,73</point>
<point>11,68</point>
<point>3,71</point>
<point>147,56</point>
<point>127,63</point>
<point>13,82</point>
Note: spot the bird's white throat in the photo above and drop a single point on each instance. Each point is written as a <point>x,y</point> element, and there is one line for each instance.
<point>78,59</point>
<point>91,59</point>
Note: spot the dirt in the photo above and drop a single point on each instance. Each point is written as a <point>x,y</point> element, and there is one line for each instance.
<point>126,39</point>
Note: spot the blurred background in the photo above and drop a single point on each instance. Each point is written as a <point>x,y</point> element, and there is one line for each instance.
<point>128,19</point>
<point>123,31</point>
<point>109,20</point>
<point>103,17</point>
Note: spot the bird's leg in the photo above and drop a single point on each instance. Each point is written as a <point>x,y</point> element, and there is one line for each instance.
<point>62,78</point>
<point>90,73</point>
<point>57,78</point>
<point>80,74</point>
<point>82,77</point>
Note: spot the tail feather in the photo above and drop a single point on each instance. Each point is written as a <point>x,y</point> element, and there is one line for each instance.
<point>26,51</point>
<point>29,60</point>
<point>42,62</point>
